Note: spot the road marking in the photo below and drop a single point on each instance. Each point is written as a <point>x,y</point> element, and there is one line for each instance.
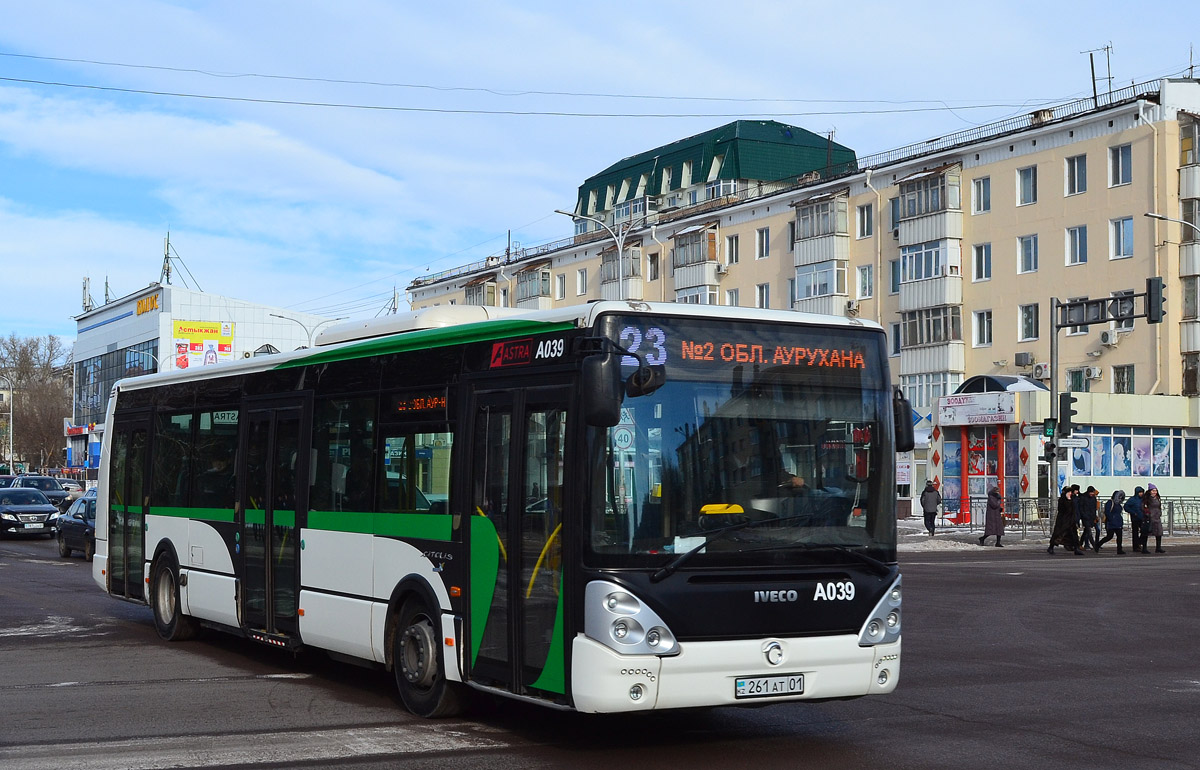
<point>282,748</point>
<point>52,626</point>
<point>128,682</point>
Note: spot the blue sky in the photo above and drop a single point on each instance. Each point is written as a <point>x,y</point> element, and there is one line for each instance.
<point>122,121</point>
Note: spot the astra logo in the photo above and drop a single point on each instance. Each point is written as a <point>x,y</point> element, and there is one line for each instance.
<point>775,596</point>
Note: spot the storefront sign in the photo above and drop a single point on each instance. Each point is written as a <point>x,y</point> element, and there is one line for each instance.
<point>977,408</point>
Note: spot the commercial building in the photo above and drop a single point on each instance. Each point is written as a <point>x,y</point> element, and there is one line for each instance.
<point>166,327</point>
<point>957,246</point>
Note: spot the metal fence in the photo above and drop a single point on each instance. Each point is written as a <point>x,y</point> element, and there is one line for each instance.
<point>1032,517</point>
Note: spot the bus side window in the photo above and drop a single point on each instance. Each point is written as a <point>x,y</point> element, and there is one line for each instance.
<point>343,444</point>
<point>414,474</point>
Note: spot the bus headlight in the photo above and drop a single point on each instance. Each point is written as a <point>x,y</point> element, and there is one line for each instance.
<point>883,624</point>
<point>619,620</point>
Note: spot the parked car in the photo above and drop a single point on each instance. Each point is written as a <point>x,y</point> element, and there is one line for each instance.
<point>77,527</point>
<point>47,485</point>
<point>74,489</point>
<point>26,512</point>
<point>7,481</point>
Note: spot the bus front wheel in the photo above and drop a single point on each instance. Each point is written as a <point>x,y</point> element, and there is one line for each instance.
<point>417,663</point>
<point>169,620</point>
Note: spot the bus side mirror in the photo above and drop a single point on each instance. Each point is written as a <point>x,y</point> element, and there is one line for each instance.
<point>601,390</point>
<point>902,416</point>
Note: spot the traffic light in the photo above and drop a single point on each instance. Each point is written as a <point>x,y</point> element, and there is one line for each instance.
<point>1066,411</point>
<point>1048,426</point>
<point>1050,450</point>
<point>1154,300</point>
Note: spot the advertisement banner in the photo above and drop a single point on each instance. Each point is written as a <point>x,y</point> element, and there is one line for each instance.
<point>202,343</point>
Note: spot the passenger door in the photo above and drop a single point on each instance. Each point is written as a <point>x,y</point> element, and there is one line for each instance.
<point>128,501</point>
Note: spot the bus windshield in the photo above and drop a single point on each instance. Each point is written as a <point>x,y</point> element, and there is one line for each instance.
<point>782,430</point>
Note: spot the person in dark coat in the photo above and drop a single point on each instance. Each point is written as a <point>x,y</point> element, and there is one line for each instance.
<point>930,500</point>
<point>1065,532</point>
<point>1133,506</point>
<point>1152,523</point>
<point>1088,511</point>
<point>1114,521</point>
<point>993,521</point>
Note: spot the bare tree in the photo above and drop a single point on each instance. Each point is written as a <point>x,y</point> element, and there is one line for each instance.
<point>40,371</point>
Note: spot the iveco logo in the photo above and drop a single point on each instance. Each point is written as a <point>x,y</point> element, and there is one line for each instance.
<point>775,596</point>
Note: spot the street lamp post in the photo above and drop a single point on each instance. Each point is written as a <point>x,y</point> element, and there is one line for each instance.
<point>1156,215</point>
<point>618,237</point>
<point>12,463</point>
<point>303,326</point>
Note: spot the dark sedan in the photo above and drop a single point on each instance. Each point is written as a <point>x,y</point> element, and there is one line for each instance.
<point>7,481</point>
<point>26,512</point>
<point>77,527</point>
<point>48,486</point>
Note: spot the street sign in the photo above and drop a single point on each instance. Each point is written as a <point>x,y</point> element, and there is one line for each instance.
<point>1032,429</point>
<point>1074,442</point>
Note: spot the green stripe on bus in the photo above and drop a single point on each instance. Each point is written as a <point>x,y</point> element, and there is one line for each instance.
<point>422,526</point>
<point>431,338</point>
<point>283,518</point>
<point>256,517</point>
<point>553,678</point>
<point>485,571</point>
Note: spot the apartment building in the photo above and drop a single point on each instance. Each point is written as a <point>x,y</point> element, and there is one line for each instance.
<point>957,246</point>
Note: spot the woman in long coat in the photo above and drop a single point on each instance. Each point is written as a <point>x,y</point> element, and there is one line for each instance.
<point>993,521</point>
<point>1065,533</point>
<point>1152,519</point>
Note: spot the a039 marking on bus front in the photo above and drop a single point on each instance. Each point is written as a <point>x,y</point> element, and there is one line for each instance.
<point>834,591</point>
<point>550,348</point>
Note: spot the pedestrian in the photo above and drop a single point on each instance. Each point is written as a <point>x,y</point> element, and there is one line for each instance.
<point>993,521</point>
<point>1133,506</point>
<point>1114,521</point>
<point>1065,533</point>
<point>1089,509</point>
<point>1152,525</point>
<point>930,500</point>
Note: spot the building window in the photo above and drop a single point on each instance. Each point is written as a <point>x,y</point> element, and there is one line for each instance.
<point>720,188</point>
<point>932,326</point>
<point>1189,143</point>
<point>652,267</point>
<point>1076,329</point>
<point>731,297</point>
<point>930,195</point>
<point>1122,238</point>
<point>1027,254</point>
<point>1190,208</point>
<point>1026,185</point>
<point>981,195</point>
<point>1189,301</point>
<point>762,243</point>
<point>1028,322</point>
<point>983,262</point>
<point>481,294</point>
<point>581,282</point>
<point>532,284</point>
<point>866,281</point>
<point>923,390</point>
<point>826,217</point>
<point>894,339</point>
<point>581,226</point>
<point>731,250</point>
<point>821,279</point>
<point>694,248</point>
<point>791,235</point>
<point>762,295</point>
<point>560,286</point>
<point>1077,381</point>
<point>894,209</point>
<point>983,328</point>
<point>1077,245</point>
<point>1076,174</point>
<point>1125,324</point>
<point>1123,379</point>
<point>921,261</point>
<point>866,221</point>
<point>1120,165</point>
<point>894,276</point>
<point>1191,374</point>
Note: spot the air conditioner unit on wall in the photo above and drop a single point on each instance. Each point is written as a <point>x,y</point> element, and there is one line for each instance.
<point>1093,372</point>
<point>1041,371</point>
<point>1024,358</point>
<point>852,307</point>
<point>1110,337</point>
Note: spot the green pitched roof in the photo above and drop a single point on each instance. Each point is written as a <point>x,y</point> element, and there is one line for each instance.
<point>759,150</point>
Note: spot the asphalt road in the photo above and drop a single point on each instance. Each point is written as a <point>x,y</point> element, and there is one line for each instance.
<point>1012,659</point>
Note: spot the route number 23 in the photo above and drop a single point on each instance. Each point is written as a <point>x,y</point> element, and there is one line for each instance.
<point>655,340</point>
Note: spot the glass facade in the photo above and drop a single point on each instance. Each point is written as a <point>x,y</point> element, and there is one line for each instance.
<point>95,377</point>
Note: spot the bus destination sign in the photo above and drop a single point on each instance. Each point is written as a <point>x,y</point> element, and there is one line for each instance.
<point>420,402</point>
<point>786,355</point>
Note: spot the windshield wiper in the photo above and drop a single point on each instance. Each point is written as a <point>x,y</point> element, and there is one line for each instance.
<point>882,568</point>
<point>670,567</point>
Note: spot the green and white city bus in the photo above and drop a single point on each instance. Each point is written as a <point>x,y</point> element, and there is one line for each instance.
<point>612,507</point>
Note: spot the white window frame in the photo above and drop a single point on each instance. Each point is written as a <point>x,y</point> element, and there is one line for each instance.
<point>1073,330</point>
<point>1027,173</point>
<point>982,338</point>
<point>762,243</point>
<point>894,339</point>
<point>894,276</point>
<point>981,262</point>
<point>1120,165</point>
<point>762,295</point>
<point>865,281</point>
<point>981,195</point>
<point>731,297</point>
<point>1027,253</point>
<point>1075,175</point>
<point>560,286</point>
<point>1077,245</point>
<point>1028,322</point>
<point>864,217</point>
<point>581,282</point>
<point>931,326</point>
<point>1120,236</point>
<point>731,250</point>
<point>1125,324</point>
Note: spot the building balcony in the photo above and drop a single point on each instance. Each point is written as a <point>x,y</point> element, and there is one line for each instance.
<point>697,274</point>
<point>633,289</point>
<point>931,227</point>
<point>535,303</point>
<point>822,248</point>
<point>826,304</point>
<point>931,292</point>
<point>1189,337</point>
<point>1189,181</point>
<point>944,357</point>
<point>1189,259</point>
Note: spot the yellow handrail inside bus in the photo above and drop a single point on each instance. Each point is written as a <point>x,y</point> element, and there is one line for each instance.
<point>536,567</point>
<point>503,553</point>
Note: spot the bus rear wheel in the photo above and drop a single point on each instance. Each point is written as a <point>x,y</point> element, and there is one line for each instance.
<point>417,663</point>
<point>169,621</point>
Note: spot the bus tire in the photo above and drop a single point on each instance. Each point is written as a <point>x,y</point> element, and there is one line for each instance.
<point>171,624</point>
<point>89,551</point>
<point>417,663</point>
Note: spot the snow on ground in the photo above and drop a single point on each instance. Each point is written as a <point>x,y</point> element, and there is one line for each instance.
<point>911,537</point>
